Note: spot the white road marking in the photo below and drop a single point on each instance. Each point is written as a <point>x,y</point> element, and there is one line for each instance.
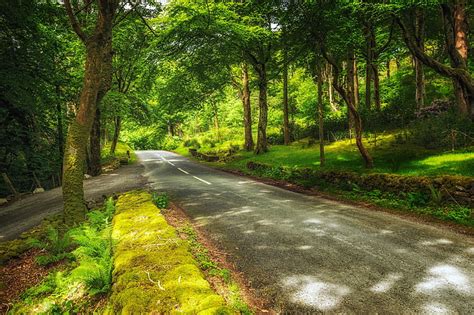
<point>202,180</point>
<point>170,163</point>
<point>183,171</point>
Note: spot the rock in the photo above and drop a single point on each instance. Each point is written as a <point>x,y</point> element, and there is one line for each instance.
<point>38,190</point>
<point>3,201</point>
<point>87,176</point>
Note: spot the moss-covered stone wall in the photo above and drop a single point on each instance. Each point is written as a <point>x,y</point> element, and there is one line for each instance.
<point>154,272</point>
<point>452,189</point>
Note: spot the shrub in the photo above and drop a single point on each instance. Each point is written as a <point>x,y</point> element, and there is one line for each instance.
<point>170,143</point>
<point>275,138</point>
<point>160,200</point>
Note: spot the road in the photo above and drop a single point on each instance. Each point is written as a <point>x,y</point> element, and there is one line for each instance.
<point>305,254</point>
<point>28,212</point>
<point>309,254</point>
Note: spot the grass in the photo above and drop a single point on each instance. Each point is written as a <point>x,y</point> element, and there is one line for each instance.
<point>389,157</point>
<point>120,153</point>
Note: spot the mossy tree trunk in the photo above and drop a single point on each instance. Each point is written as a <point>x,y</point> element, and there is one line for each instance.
<point>94,144</point>
<point>262,145</point>
<point>247,109</point>
<point>96,77</point>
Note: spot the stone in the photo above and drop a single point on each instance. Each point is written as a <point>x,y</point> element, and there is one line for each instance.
<point>38,190</point>
<point>3,201</point>
<point>87,176</point>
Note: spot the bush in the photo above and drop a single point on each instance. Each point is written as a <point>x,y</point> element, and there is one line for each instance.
<point>192,143</point>
<point>445,131</point>
<point>160,200</point>
<point>170,143</point>
<point>275,138</point>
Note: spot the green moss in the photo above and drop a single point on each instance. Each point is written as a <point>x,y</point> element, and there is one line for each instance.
<point>154,271</point>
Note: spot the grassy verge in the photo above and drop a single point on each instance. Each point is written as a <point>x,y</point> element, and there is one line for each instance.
<point>391,155</point>
<point>154,271</point>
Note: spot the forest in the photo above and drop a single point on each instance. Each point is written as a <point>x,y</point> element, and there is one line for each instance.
<point>365,101</point>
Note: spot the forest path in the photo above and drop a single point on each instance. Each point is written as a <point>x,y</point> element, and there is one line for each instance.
<point>309,254</point>
<point>24,214</point>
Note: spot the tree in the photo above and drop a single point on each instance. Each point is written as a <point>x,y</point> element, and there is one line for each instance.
<point>97,81</point>
<point>455,19</point>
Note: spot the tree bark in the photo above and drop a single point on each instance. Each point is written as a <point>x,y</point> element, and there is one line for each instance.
<point>117,127</point>
<point>322,158</point>
<point>97,75</point>
<point>375,73</point>
<point>248,145</point>
<point>94,140</point>
<point>262,145</point>
<point>419,73</point>
<point>368,64</point>
<point>356,83</point>
<point>59,123</point>
<point>286,123</point>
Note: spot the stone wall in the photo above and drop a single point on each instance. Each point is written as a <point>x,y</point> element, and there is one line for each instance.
<point>452,189</point>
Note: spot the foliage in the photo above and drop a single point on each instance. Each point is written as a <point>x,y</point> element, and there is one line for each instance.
<point>56,246</point>
<point>74,288</point>
<point>160,200</point>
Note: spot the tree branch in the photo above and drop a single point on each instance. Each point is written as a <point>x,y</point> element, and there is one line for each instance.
<point>75,24</point>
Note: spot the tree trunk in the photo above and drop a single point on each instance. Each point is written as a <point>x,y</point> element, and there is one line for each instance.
<point>262,145</point>
<point>455,32</point>
<point>322,158</point>
<point>286,123</point>
<point>10,186</point>
<point>388,69</point>
<point>419,73</point>
<point>248,145</point>
<point>368,65</point>
<point>97,77</point>
<point>460,30</point>
<point>59,122</point>
<point>375,73</point>
<point>356,84</point>
<point>94,139</point>
<point>348,98</point>
<point>117,126</point>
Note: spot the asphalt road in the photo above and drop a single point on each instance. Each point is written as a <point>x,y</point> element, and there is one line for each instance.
<point>308,254</point>
<point>28,212</point>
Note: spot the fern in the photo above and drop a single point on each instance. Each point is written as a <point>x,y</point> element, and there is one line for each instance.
<point>436,195</point>
<point>55,245</point>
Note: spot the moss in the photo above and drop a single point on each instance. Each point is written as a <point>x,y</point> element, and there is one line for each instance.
<point>14,248</point>
<point>154,271</point>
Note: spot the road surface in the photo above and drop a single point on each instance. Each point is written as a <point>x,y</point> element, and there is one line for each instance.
<point>28,212</point>
<point>309,254</point>
<point>305,254</point>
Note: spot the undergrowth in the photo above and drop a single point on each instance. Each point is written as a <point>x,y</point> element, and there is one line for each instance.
<point>87,276</point>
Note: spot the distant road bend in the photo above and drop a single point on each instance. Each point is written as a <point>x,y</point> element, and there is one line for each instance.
<point>302,253</point>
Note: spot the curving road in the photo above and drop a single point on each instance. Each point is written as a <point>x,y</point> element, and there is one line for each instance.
<point>305,254</point>
<point>308,254</point>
